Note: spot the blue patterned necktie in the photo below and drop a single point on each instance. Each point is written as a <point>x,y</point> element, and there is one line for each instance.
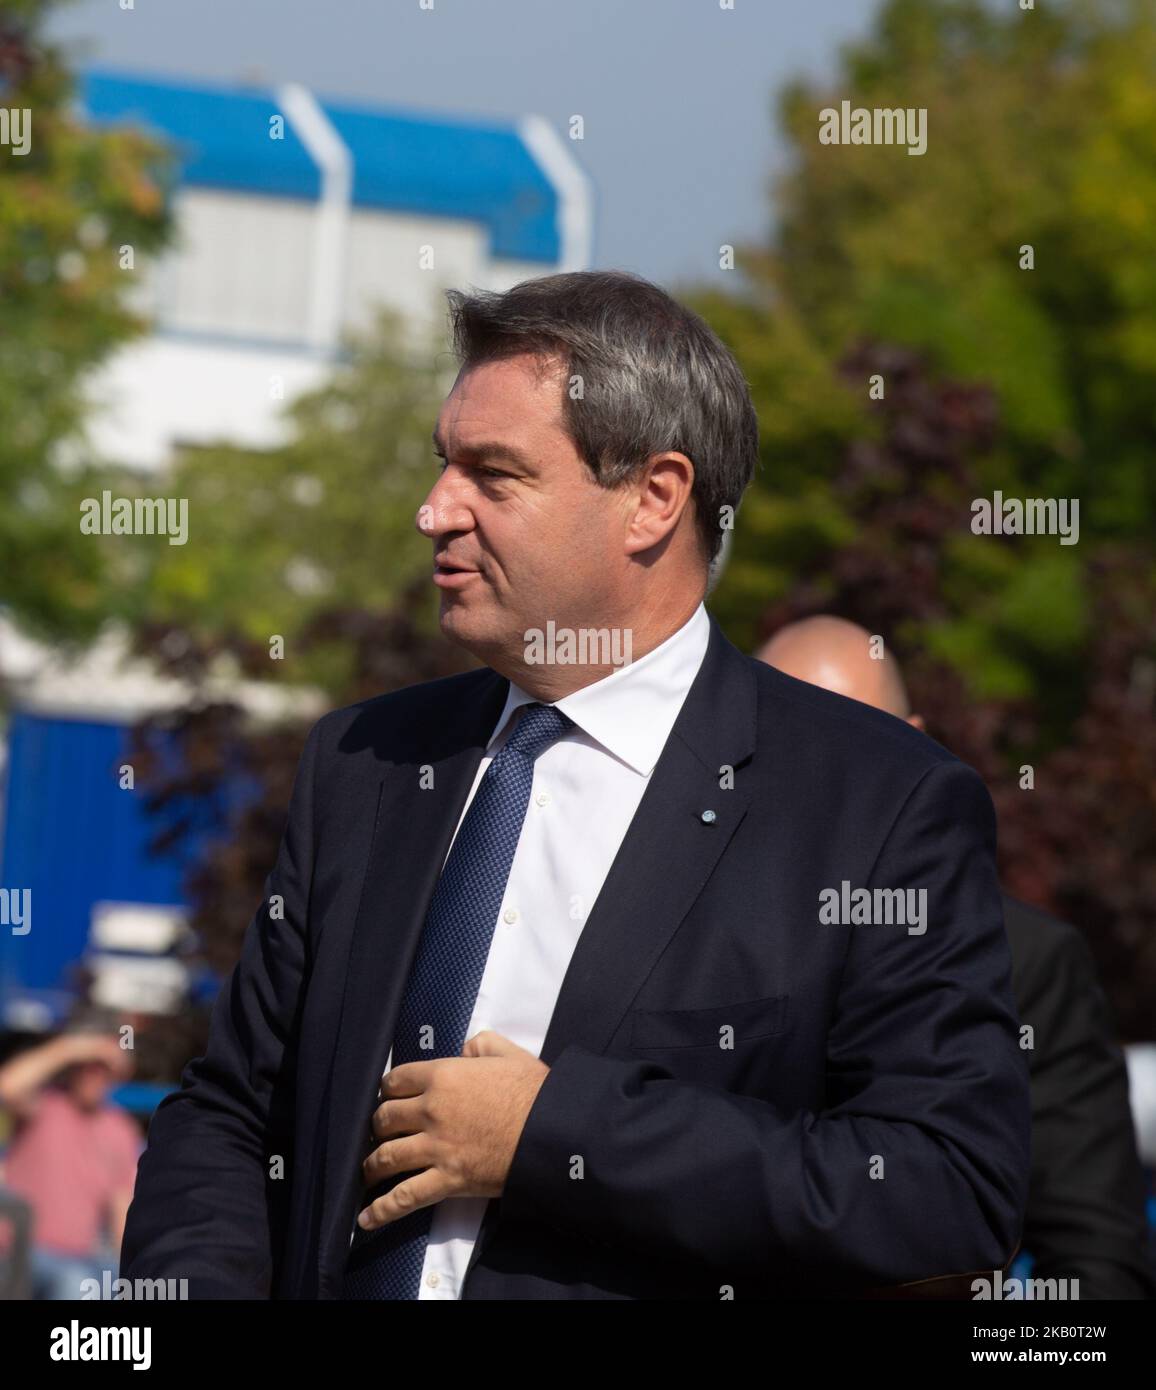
<point>443,983</point>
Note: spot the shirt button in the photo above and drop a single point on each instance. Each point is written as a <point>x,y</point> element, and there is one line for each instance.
<point>542,798</point>
<point>432,1280</point>
<point>510,915</point>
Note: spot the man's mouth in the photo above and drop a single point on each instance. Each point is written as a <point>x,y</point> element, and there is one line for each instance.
<point>451,575</point>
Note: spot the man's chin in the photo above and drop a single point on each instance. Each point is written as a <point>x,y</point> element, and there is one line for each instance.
<point>481,633</point>
<point>461,622</point>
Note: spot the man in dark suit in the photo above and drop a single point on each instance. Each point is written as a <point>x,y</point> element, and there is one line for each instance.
<point>597,908</point>
<point>1085,1214</point>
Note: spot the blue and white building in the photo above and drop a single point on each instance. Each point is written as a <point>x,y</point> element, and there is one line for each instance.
<point>296,217</point>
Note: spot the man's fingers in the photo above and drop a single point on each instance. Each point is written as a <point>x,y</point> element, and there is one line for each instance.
<point>407,1155</point>
<point>396,1117</point>
<point>487,1043</point>
<point>407,1079</point>
<point>422,1190</point>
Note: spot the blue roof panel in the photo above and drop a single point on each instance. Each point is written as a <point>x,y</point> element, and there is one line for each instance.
<point>452,169</point>
<point>401,161</point>
<point>221,136</point>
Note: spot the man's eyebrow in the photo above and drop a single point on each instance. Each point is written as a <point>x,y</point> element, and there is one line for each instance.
<point>487,449</point>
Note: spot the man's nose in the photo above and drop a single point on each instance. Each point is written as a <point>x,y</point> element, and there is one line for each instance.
<point>443,510</point>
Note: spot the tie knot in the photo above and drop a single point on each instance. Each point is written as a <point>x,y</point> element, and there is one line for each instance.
<point>537,728</point>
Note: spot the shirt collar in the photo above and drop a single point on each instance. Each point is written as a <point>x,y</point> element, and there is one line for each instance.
<point>632,711</point>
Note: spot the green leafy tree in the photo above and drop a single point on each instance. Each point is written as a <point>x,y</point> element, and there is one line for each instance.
<point>1041,133</point>
<point>1001,288</point>
<point>70,198</point>
<point>282,539</point>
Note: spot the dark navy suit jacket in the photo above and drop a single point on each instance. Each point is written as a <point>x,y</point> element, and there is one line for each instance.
<point>867,1125</point>
<point>1085,1216</point>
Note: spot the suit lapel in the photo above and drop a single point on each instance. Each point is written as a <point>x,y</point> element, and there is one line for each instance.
<point>411,838</point>
<point>665,859</point>
<point>666,856</point>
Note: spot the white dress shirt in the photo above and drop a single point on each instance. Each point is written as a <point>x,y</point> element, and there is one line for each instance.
<point>586,788</point>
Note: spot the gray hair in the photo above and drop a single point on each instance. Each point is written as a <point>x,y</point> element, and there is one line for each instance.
<point>653,377</point>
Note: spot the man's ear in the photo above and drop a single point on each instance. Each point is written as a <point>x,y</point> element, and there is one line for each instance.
<point>916,722</point>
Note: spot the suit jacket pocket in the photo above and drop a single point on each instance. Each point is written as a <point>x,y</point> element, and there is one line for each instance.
<point>753,1018</point>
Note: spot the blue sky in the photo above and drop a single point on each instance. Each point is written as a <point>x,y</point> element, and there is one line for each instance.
<point>677,95</point>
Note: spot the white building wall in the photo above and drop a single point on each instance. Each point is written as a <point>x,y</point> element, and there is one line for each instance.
<point>386,256</point>
<point>241,266</point>
<point>231,301</point>
<point>161,392</point>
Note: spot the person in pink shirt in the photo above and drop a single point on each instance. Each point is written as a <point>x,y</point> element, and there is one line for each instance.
<point>72,1156</point>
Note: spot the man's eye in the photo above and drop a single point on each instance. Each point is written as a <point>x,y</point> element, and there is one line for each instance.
<point>440,464</point>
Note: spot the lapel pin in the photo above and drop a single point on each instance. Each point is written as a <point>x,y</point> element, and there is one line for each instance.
<point>709,818</point>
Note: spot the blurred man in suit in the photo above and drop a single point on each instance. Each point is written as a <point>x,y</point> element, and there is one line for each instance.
<point>571,903</point>
<point>1085,1215</point>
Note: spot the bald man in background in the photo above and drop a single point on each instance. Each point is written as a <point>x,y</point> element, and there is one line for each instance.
<point>1085,1216</point>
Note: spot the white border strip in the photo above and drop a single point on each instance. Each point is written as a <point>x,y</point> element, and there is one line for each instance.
<point>335,162</point>
<point>572,185</point>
